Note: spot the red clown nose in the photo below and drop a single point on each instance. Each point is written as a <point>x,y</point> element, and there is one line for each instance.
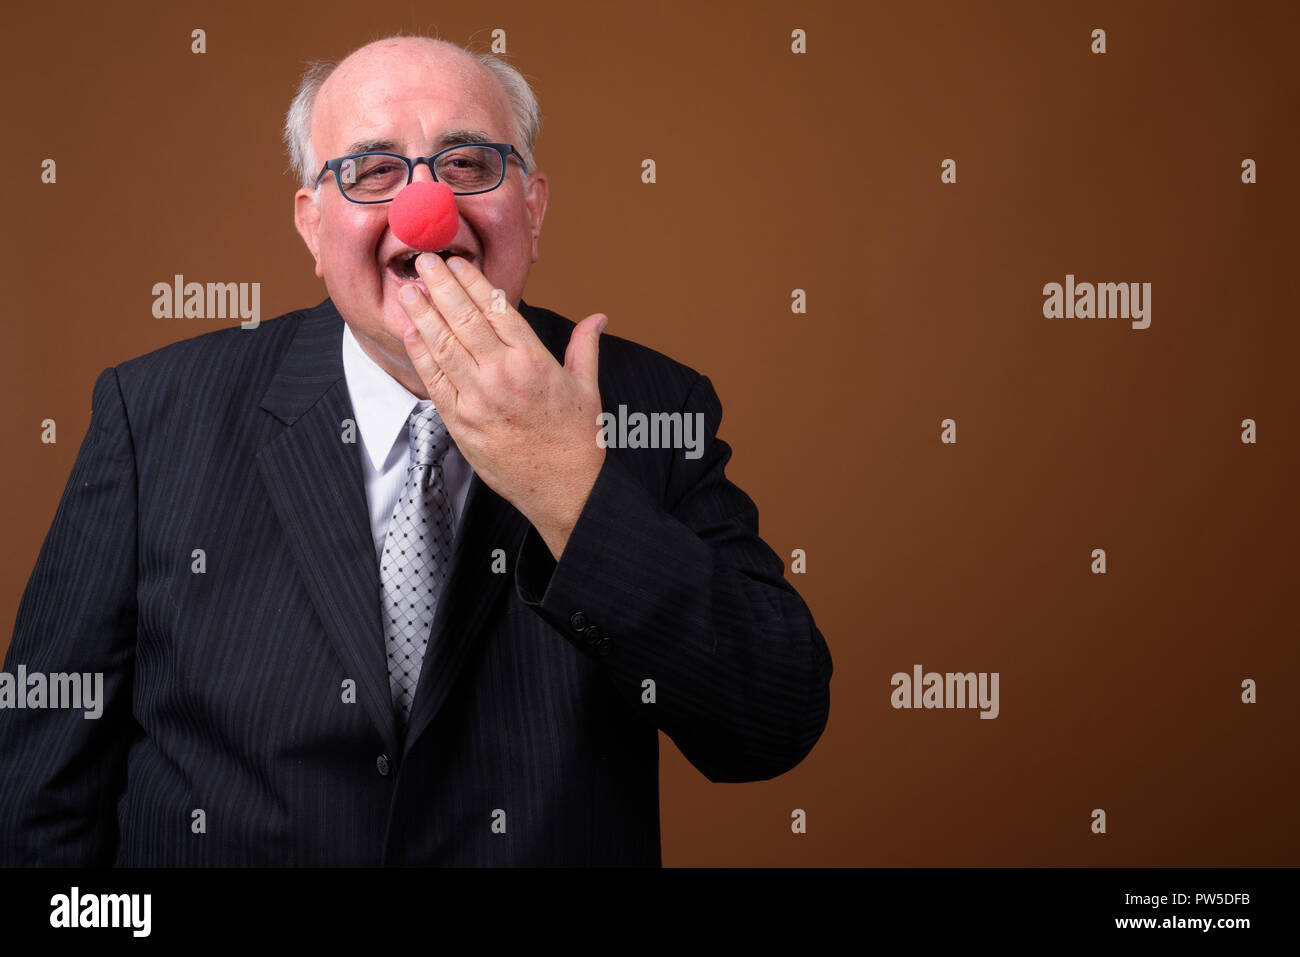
<point>424,215</point>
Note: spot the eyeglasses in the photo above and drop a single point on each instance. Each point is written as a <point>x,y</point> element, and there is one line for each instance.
<point>379,177</point>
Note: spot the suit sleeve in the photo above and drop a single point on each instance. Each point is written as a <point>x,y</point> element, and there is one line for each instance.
<point>61,772</point>
<point>684,592</point>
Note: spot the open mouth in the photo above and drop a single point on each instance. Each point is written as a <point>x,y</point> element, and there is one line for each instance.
<point>403,266</point>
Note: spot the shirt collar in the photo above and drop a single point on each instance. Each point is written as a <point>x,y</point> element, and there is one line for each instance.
<point>381,404</point>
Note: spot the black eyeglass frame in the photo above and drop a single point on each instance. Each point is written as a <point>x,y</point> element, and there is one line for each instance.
<point>335,166</point>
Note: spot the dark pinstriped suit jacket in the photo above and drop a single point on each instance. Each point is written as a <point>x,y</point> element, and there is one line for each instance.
<point>529,741</point>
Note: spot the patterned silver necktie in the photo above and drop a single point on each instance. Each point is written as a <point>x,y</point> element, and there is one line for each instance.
<point>417,553</point>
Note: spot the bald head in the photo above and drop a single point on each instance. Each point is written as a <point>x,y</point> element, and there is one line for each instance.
<point>390,53</point>
<point>374,78</point>
<point>496,81</point>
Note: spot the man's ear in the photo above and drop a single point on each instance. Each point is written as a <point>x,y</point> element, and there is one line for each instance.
<point>306,217</point>
<point>538,191</point>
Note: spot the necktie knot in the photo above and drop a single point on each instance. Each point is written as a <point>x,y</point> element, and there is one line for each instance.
<point>430,439</point>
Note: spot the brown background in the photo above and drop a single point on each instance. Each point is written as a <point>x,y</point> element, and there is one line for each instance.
<point>821,172</point>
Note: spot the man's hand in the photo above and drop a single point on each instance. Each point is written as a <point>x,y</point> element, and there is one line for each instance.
<point>525,424</point>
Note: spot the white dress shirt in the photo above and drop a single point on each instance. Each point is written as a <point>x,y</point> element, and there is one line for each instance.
<point>383,407</point>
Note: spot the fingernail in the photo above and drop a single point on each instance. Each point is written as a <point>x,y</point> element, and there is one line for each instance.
<point>408,294</point>
<point>425,260</point>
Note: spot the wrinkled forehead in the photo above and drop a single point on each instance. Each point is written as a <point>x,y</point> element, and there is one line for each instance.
<point>407,98</point>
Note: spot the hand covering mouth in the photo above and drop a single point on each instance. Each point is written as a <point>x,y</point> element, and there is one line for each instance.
<point>403,264</point>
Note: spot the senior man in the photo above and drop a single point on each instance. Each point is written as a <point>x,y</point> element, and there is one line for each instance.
<point>363,585</point>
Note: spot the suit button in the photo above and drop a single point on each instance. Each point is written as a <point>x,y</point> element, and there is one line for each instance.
<point>381,765</point>
<point>603,645</point>
<point>578,621</point>
<point>591,635</point>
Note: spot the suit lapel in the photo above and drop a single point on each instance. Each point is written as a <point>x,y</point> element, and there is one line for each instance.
<point>315,484</point>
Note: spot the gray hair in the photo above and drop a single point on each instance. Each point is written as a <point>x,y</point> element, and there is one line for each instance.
<point>297,123</point>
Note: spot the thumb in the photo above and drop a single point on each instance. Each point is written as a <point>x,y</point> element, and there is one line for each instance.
<point>581,356</point>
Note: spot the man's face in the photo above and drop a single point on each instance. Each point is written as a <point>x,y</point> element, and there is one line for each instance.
<point>409,95</point>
